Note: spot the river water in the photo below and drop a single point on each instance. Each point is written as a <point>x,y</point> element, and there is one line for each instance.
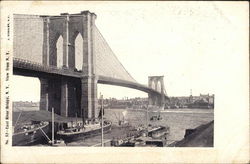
<point>177,119</point>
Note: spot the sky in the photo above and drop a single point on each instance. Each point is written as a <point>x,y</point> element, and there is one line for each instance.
<point>195,45</point>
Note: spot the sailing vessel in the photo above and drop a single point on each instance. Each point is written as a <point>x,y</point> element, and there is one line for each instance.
<point>30,133</point>
<point>121,121</point>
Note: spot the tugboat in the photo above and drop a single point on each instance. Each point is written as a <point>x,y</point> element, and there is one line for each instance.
<point>81,130</point>
<point>70,134</point>
<point>156,118</point>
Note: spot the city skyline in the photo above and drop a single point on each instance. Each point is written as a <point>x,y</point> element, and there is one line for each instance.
<point>183,42</point>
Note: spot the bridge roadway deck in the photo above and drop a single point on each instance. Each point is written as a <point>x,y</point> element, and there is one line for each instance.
<point>28,68</point>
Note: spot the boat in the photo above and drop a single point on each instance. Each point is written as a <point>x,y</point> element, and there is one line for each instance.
<point>153,137</point>
<point>156,118</point>
<point>70,134</point>
<point>149,136</point>
<point>122,122</point>
<point>80,130</point>
<point>158,132</point>
<point>30,133</point>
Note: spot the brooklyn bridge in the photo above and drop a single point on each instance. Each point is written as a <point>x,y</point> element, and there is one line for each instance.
<point>66,85</point>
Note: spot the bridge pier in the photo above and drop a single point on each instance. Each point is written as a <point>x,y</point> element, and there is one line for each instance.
<point>69,107</point>
<point>65,98</point>
<point>54,95</point>
<point>151,99</point>
<point>50,95</point>
<point>89,102</point>
<point>62,94</point>
<point>154,100</point>
<point>44,94</point>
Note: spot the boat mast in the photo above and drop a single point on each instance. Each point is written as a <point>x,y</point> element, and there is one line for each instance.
<point>18,118</point>
<point>53,136</point>
<point>102,118</point>
<point>76,119</point>
<point>82,117</point>
<point>147,120</point>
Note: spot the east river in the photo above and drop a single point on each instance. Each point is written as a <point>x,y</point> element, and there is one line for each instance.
<point>177,119</point>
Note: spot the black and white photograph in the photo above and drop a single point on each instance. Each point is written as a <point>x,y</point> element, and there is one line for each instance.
<point>148,76</point>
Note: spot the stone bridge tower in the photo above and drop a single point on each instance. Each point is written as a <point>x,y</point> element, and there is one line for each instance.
<point>70,97</point>
<point>156,83</point>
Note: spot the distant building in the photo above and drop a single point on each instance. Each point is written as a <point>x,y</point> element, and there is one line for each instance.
<point>136,103</point>
<point>201,101</point>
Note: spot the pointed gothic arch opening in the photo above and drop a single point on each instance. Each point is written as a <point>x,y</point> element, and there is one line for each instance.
<point>78,52</point>
<point>159,86</point>
<point>153,85</point>
<point>59,52</point>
